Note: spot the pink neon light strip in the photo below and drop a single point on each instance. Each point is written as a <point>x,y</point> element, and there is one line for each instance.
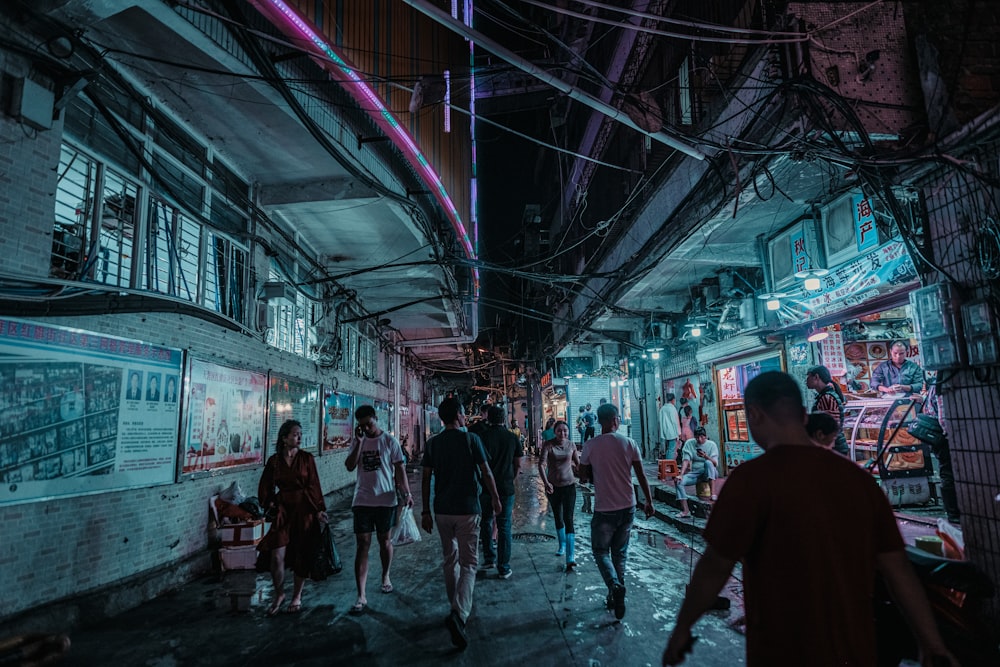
<point>345,74</point>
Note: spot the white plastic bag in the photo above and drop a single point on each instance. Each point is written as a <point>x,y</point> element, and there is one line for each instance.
<point>406,530</point>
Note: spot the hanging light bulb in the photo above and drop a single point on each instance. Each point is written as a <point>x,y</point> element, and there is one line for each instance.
<point>816,334</point>
<point>812,278</point>
<point>772,300</point>
<point>654,355</point>
<point>696,331</point>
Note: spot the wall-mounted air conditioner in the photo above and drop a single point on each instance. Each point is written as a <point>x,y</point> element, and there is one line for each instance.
<point>278,290</point>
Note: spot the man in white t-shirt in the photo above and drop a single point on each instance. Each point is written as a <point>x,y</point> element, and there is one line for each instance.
<point>699,463</point>
<point>670,425</point>
<point>609,460</point>
<point>379,461</point>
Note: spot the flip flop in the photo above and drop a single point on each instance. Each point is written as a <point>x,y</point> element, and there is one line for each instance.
<point>683,515</point>
<point>386,588</point>
<point>295,608</point>
<point>276,606</point>
<point>357,609</point>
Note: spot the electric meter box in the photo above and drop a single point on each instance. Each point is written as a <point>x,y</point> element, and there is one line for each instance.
<point>978,321</point>
<point>933,309</point>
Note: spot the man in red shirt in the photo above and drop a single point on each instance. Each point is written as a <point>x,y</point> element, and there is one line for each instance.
<point>811,529</point>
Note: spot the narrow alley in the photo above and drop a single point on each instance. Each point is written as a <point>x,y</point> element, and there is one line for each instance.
<point>540,616</point>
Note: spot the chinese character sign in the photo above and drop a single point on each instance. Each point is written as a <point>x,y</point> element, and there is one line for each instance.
<point>864,223</point>
<point>729,386</point>
<point>800,253</point>
<point>832,350</point>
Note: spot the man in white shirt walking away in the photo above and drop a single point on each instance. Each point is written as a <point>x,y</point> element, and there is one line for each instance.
<point>609,460</point>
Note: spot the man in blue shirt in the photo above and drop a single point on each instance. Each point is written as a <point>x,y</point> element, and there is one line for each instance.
<point>898,375</point>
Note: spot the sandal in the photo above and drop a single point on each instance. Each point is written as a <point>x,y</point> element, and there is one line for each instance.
<point>386,588</point>
<point>683,515</point>
<point>357,609</point>
<point>295,608</point>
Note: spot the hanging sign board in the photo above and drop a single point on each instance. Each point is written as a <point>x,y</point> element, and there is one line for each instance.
<point>82,412</point>
<point>832,351</point>
<point>225,418</point>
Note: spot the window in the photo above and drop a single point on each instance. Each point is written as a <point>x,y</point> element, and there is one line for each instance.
<point>169,267</point>
<point>225,277</point>
<point>292,328</point>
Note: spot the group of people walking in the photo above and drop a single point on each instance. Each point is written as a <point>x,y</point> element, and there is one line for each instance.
<point>761,518</point>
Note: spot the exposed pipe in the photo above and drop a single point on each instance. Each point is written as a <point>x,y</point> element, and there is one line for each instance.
<point>496,49</point>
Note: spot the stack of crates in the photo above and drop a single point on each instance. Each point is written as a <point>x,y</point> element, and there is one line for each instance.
<point>239,544</point>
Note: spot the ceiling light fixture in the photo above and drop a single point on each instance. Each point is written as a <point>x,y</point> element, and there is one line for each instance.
<point>772,300</point>
<point>816,334</point>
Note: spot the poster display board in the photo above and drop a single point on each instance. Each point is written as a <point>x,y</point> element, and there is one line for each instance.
<point>225,418</point>
<point>82,412</point>
<point>289,398</point>
<point>338,420</point>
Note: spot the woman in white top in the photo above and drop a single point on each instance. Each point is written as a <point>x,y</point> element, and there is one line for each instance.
<point>557,465</point>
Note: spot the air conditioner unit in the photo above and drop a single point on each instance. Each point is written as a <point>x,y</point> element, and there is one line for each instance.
<point>852,225</point>
<point>279,290</point>
<point>265,317</point>
<point>796,248</point>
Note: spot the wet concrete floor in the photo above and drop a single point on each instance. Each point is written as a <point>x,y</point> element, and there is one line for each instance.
<point>540,616</point>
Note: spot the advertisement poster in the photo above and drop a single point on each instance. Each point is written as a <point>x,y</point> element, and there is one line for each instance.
<point>338,420</point>
<point>226,420</point>
<point>83,412</point>
<point>294,399</point>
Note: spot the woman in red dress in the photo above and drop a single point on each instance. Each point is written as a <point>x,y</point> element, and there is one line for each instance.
<point>290,482</point>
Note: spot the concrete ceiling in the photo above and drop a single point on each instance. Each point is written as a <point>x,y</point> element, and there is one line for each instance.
<point>350,225</point>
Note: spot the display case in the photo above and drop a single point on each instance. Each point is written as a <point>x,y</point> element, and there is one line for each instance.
<point>870,424</point>
<point>880,428</point>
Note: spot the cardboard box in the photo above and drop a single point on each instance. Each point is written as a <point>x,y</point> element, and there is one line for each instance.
<point>241,534</point>
<point>238,558</point>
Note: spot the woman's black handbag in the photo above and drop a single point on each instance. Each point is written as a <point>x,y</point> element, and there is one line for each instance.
<point>327,561</point>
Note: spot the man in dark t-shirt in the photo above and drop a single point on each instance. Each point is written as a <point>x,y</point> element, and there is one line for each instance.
<point>810,527</point>
<point>504,453</point>
<point>452,458</point>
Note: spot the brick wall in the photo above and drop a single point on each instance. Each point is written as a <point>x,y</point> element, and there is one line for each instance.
<point>28,161</point>
<point>64,547</point>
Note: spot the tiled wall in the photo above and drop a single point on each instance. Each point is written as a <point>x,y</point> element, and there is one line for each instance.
<point>957,205</point>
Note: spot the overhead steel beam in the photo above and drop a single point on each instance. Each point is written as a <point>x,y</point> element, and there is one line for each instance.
<point>500,51</point>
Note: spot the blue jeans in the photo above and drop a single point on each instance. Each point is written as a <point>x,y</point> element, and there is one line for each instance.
<point>503,545</point>
<point>609,533</point>
<point>670,448</point>
<point>707,475</point>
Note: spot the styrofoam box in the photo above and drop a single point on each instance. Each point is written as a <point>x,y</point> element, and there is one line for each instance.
<point>238,558</point>
<point>241,534</point>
